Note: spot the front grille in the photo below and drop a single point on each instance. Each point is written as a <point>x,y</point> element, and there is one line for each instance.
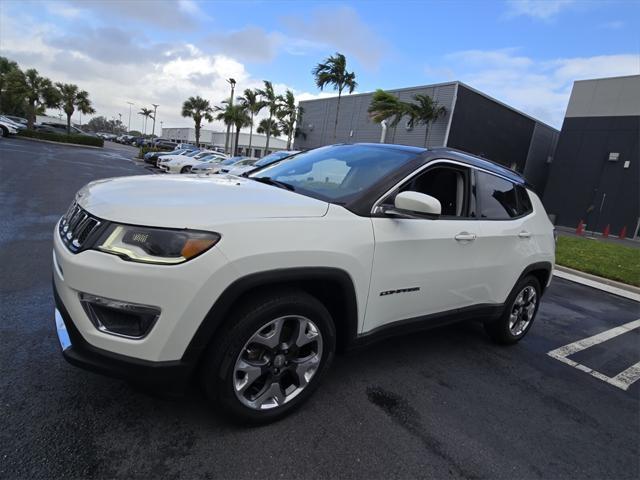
<point>76,226</point>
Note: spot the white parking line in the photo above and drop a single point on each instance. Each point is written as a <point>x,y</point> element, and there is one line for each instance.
<point>624,379</point>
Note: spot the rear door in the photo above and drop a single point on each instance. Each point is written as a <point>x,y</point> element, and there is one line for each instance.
<point>423,265</point>
<point>505,237</point>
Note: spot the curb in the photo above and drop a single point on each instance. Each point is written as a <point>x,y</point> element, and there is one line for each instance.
<point>610,286</point>
<point>57,143</point>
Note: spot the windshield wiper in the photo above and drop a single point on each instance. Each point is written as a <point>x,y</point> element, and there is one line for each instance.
<point>271,181</point>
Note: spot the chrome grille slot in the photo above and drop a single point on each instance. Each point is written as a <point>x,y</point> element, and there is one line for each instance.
<point>76,226</point>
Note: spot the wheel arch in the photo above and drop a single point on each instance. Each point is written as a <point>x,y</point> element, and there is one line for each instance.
<point>332,286</point>
<point>541,270</point>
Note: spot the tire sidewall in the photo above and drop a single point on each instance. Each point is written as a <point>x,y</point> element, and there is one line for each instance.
<point>529,280</point>
<point>249,323</point>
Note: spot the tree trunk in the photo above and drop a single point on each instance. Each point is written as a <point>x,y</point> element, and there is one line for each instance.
<point>237,140</point>
<point>197,134</point>
<point>68,123</point>
<point>426,134</point>
<point>335,126</point>
<point>32,115</point>
<point>266,147</point>
<point>251,135</point>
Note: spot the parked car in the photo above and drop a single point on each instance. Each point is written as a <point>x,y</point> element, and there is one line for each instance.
<point>20,120</point>
<point>184,163</point>
<point>165,144</point>
<point>263,162</point>
<point>245,163</point>
<point>7,128</point>
<point>253,283</point>
<point>15,125</point>
<point>153,157</point>
<point>219,167</point>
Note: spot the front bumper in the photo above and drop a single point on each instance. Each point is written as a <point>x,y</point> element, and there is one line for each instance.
<point>172,376</point>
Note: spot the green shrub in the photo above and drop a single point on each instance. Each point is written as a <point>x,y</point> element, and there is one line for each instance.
<point>63,138</point>
<point>144,150</point>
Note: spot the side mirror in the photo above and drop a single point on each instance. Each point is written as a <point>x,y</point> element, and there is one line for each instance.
<point>417,202</point>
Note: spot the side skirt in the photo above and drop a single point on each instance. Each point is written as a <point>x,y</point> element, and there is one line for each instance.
<point>484,312</point>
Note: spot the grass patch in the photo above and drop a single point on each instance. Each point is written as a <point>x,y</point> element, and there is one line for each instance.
<point>63,138</point>
<point>608,260</point>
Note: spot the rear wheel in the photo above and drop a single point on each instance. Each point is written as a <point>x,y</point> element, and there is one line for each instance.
<point>519,313</point>
<point>272,357</point>
<point>5,131</point>
<point>186,169</point>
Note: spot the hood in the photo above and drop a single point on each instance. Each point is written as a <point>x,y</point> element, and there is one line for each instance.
<point>192,201</point>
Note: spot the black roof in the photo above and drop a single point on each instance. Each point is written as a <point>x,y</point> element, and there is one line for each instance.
<point>453,154</point>
<point>475,161</point>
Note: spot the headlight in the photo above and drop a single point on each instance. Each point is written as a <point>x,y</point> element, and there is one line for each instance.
<point>155,245</point>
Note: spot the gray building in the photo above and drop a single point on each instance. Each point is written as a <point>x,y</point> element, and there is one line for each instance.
<point>474,122</point>
<point>595,174</point>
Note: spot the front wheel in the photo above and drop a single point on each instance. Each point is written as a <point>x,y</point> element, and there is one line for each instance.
<point>186,169</point>
<point>520,310</point>
<point>271,357</point>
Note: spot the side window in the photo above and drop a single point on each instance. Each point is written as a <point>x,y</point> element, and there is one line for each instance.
<point>450,185</point>
<point>524,202</point>
<point>497,198</point>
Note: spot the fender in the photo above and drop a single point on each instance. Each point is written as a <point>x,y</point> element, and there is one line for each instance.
<point>545,266</point>
<point>345,312</point>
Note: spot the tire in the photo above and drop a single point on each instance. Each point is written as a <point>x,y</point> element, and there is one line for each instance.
<point>186,169</point>
<point>256,383</point>
<point>509,329</point>
<point>5,132</point>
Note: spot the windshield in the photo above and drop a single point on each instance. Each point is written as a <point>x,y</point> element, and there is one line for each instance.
<point>336,172</point>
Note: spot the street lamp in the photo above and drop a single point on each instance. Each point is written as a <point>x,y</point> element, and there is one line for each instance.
<point>155,108</point>
<point>129,125</point>
<point>231,82</point>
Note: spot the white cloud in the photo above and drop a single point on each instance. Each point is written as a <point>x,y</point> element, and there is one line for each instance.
<point>340,28</point>
<point>151,74</point>
<point>537,9</point>
<point>540,88</point>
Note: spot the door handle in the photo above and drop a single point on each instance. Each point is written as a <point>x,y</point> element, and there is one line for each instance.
<point>524,234</point>
<point>465,237</point>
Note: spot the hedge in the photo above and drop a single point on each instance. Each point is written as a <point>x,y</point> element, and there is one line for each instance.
<point>63,138</point>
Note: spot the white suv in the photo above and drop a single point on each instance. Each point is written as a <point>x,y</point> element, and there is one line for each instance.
<point>252,283</point>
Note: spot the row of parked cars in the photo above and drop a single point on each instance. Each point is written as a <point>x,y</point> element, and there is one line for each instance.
<point>11,125</point>
<point>188,159</point>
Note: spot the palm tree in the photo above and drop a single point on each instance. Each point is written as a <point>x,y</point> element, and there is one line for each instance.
<point>197,108</point>
<point>250,99</point>
<point>268,125</point>
<point>71,97</point>
<point>241,119</point>
<point>272,102</point>
<point>288,114</point>
<point>384,106</point>
<point>146,113</point>
<point>424,111</point>
<point>334,72</point>
<point>39,93</point>
<point>234,116</point>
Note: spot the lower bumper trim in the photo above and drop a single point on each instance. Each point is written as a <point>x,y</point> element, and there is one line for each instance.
<point>172,376</point>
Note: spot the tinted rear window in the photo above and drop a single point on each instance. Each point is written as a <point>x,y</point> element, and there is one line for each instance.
<point>497,198</point>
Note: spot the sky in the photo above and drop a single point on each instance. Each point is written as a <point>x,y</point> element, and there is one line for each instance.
<point>526,53</point>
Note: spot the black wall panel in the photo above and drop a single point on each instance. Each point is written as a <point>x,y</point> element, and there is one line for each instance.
<point>486,128</point>
<point>585,185</point>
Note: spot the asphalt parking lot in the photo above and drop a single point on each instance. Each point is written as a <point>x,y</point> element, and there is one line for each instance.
<point>445,403</point>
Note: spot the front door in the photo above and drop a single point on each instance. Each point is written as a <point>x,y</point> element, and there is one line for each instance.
<point>423,266</point>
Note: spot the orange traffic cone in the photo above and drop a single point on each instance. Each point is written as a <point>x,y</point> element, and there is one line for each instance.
<point>623,233</point>
<point>580,229</point>
<point>605,232</point>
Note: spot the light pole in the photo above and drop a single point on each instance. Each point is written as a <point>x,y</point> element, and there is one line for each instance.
<point>231,82</point>
<point>129,125</point>
<point>155,108</point>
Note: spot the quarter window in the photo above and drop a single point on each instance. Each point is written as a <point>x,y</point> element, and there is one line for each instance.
<point>499,199</point>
